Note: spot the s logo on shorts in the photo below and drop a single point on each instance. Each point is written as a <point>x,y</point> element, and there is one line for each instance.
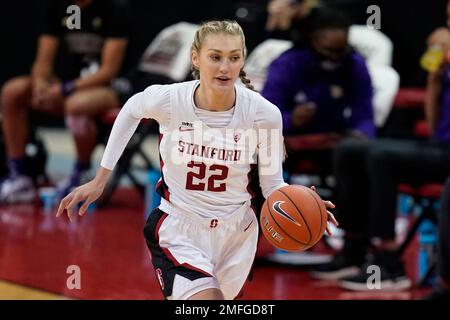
<point>214,223</point>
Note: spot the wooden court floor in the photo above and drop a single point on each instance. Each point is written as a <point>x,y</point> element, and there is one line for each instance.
<point>107,245</point>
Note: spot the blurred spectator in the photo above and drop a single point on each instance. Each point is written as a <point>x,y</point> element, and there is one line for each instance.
<point>323,88</point>
<point>367,178</point>
<point>294,20</point>
<point>92,53</point>
<point>313,86</point>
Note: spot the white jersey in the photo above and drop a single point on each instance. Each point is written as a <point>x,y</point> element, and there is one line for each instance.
<point>205,171</point>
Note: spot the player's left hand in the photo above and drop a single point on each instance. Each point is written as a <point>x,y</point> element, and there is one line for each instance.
<point>330,216</point>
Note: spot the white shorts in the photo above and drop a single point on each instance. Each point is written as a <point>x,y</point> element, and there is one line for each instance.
<point>191,254</point>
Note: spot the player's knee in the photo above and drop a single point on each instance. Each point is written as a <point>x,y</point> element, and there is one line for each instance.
<point>12,92</point>
<point>74,105</point>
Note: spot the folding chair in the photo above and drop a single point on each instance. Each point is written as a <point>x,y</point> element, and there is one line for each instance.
<point>427,197</point>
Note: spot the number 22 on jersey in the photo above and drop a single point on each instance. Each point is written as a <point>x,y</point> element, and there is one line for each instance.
<point>195,180</point>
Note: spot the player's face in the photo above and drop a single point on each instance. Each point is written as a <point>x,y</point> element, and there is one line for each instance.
<point>219,61</point>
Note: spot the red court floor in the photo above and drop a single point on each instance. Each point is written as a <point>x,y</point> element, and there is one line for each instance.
<point>108,245</point>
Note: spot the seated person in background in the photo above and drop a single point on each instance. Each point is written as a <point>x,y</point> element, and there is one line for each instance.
<point>323,87</point>
<point>93,57</point>
<point>293,20</point>
<point>441,289</point>
<point>367,178</point>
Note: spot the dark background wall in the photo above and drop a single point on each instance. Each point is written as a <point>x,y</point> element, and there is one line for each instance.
<point>407,23</point>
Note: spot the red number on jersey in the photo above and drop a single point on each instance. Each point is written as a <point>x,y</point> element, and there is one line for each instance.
<point>218,177</point>
<point>200,175</point>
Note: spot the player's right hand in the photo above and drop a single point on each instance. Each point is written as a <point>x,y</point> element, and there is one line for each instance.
<point>86,193</point>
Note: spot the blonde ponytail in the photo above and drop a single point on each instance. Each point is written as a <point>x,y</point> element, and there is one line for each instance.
<point>246,81</point>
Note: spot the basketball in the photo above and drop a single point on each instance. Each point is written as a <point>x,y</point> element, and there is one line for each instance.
<point>293,218</point>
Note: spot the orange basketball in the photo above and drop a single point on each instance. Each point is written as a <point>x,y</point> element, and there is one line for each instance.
<point>293,218</point>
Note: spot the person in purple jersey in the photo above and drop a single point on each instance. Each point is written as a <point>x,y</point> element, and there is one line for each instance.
<point>367,178</point>
<point>324,86</point>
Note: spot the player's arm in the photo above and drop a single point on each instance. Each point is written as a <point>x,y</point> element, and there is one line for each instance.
<point>124,127</point>
<point>47,45</point>
<point>42,69</point>
<point>441,38</point>
<point>270,148</point>
<point>154,102</point>
<point>113,53</point>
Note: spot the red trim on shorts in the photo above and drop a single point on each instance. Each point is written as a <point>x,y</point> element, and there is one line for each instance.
<point>158,225</point>
<point>186,265</point>
<point>167,252</point>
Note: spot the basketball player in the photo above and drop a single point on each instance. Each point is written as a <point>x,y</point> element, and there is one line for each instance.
<point>203,235</point>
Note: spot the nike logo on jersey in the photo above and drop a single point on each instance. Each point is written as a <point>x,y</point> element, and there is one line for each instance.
<point>186,126</point>
<point>182,129</point>
<point>277,207</point>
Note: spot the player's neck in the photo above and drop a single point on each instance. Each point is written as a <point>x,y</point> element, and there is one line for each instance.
<point>208,99</point>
